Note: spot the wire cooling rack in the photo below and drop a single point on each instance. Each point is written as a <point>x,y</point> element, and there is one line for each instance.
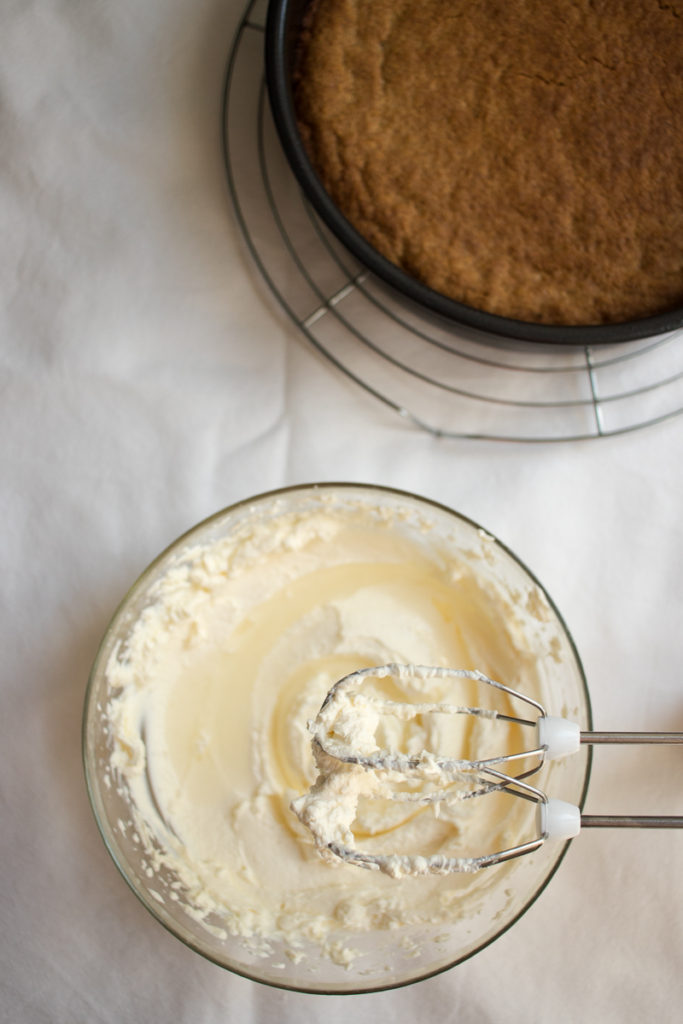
<point>448,381</point>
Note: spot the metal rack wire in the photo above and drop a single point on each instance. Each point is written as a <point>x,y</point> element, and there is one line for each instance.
<point>448,381</point>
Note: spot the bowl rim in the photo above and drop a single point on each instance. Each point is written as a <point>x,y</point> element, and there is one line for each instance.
<point>92,785</point>
<point>280,94</point>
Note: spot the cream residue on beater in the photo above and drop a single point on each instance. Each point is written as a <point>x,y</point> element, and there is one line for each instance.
<point>211,693</point>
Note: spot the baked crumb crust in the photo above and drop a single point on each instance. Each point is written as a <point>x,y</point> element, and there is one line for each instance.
<point>520,156</point>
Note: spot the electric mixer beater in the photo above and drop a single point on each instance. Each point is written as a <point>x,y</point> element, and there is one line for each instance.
<point>351,764</point>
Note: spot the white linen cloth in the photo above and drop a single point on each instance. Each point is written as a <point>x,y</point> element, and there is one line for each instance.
<point>146,382</point>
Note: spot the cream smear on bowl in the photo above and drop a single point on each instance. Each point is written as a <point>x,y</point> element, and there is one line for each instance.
<point>206,683</point>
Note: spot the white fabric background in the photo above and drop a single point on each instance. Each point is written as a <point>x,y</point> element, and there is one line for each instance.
<point>147,382</point>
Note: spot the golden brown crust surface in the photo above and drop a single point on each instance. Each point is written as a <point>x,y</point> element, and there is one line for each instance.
<point>524,157</point>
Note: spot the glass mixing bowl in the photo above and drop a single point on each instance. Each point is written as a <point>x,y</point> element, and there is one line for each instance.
<point>386,957</point>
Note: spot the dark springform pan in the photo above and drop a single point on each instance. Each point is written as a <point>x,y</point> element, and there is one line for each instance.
<point>282,31</point>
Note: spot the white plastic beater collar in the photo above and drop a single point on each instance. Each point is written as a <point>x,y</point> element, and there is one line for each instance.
<point>560,736</point>
<point>558,820</point>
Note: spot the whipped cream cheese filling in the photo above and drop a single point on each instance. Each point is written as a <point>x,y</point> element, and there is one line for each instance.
<point>210,696</point>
